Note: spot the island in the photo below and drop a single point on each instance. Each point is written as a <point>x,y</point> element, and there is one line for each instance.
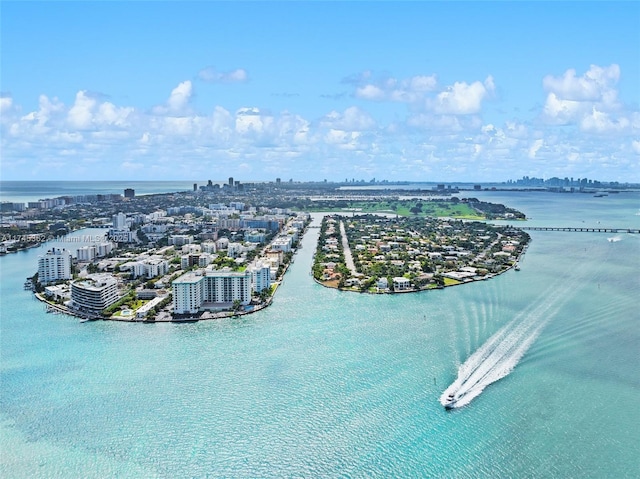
<point>381,254</point>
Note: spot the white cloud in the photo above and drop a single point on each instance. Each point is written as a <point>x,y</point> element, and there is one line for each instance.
<point>352,119</point>
<point>87,113</point>
<point>370,92</point>
<point>211,75</point>
<point>6,104</point>
<point>409,90</point>
<point>109,114</point>
<point>442,128</point>
<point>47,109</point>
<point>462,98</point>
<point>601,122</point>
<point>533,149</point>
<point>180,96</point>
<point>589,101</point>
<point>596,84</point>
<point>80,115</point>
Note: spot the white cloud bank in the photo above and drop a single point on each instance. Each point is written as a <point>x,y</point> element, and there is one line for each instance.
<point>211,75</point>
<point>582,130</point>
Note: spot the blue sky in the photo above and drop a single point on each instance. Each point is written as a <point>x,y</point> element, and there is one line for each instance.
<point>424,91</point>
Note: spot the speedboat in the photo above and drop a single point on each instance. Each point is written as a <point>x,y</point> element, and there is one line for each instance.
<point>450,401</point>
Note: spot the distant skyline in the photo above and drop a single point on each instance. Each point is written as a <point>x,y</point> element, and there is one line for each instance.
<point>413,91</point>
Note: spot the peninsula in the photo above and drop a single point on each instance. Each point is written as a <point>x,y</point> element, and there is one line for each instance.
<point>222,250</point>
<point>381,254</point>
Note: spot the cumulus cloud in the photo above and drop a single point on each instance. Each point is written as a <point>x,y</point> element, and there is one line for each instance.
<point>597,84</point>
<point>178,102</point>
<point>352,119</point>
<point>533,149</point>
<point>601,122</point>
<point>6,104</point>
<point>87,113</point>
<point>589,101</point>
<point>211,75</point>
<point>386,88</point>
<point>180,96</point>
<point>442,127</point>
<point>462,98</point>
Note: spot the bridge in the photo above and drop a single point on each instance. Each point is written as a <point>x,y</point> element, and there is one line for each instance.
<point>583,229</point>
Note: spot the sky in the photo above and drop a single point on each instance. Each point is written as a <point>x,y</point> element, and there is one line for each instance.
<point>413,91</point>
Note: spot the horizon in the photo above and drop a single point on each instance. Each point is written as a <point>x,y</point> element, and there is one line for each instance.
<point>405,91</point>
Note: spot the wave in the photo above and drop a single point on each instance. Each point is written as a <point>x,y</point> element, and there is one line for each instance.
<point>500,354</point>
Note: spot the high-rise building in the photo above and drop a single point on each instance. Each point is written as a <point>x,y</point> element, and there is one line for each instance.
<point>55,265</point>
<point>94,293</point>
<point>260,277</point>
<point>120,222</point>
<point>214,289</point>
<point>231,181</point>
<point>129,193</point>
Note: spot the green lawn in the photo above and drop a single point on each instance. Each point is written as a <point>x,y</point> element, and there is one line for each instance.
<point>437,209</point>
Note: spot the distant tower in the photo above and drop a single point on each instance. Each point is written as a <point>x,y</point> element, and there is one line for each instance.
<point>278,181</point>
<point>195,187</point>
<point>119,222</point>
<point>129,193</point>
<point>231,181</point>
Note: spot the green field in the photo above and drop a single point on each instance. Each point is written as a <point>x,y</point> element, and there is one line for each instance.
<point>437,209</point>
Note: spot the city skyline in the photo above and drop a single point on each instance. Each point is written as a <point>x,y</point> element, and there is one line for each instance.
<point>420,91</point>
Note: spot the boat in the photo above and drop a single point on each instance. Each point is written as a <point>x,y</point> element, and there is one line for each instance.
<point>517,267</point>
<point>450,401</point>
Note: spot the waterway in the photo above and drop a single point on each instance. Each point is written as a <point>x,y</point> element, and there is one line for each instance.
<point>326,383</point>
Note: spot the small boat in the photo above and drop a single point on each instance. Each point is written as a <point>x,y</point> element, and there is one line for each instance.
<point>450,401</point>
<point>517,267</point>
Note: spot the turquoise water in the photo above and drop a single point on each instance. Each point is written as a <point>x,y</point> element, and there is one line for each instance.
<point>331,384</point>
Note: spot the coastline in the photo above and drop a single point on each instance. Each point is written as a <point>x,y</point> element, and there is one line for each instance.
<point>165,316</point>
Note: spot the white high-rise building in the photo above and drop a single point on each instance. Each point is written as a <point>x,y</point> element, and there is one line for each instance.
<point>187,293</point>
<point>120,222</point>
<point>226,286</point>
<point>260,277</point>
<point>87,253</point>
<point>55,265</point>
<point>104,249</point>
<point>216,289</point>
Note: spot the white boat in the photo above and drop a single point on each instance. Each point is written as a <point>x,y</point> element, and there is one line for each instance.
<point>450,401</point>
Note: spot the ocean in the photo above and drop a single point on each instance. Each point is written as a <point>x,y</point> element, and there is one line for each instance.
<point>326,383</point>
<point>25,191</point>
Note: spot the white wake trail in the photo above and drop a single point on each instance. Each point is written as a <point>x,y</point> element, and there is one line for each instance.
<point>499,355</point>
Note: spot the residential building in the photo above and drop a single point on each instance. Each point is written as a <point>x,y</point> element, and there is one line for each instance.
<point>94,293</point>
<point>260,277</point>
<point>180,240</point>
<point>187,293</point>
<point>87,253</point>
<point>215,289</point>
<point>55,265</point>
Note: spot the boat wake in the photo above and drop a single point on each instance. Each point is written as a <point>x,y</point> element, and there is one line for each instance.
<point>497,357</point>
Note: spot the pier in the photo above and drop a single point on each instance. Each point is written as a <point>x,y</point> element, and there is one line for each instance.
<point>581,230</point>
